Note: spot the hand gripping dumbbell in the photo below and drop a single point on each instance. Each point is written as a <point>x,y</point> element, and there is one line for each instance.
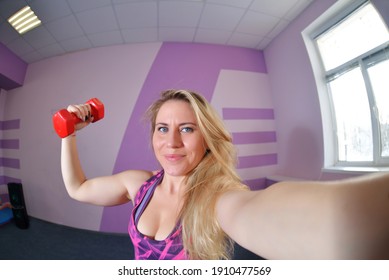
<point>64,122</point>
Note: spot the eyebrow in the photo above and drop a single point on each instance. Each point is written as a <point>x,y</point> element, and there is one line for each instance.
<point>181,124</point>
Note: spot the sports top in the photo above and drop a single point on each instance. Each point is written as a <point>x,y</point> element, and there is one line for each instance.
<point>146,248</point>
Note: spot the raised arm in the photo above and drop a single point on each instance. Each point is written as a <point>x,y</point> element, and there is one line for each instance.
<point>346,219</point>
<point>107,190</point>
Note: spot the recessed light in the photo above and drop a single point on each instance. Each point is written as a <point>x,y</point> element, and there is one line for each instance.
<point>24,20</point>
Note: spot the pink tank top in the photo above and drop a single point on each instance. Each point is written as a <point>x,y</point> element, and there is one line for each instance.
<point>147,248</point>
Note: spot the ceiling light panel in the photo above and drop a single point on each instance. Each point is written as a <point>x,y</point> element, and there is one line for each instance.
<point>24,20</point>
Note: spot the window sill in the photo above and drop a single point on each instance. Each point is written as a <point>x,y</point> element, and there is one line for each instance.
<point>342,171</point>
<point>355,170</point>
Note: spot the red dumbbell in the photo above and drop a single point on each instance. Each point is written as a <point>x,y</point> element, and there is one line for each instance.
<point>64,121</point>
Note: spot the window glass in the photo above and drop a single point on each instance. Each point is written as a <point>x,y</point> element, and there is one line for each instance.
<point>353,49</point>
<point>352,114</point>
<point>357,34</point>
<point>379,76</point>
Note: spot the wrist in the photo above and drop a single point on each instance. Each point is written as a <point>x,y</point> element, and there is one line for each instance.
<point>70,136</point>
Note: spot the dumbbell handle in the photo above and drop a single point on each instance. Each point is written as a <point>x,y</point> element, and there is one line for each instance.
<point>64,122</point>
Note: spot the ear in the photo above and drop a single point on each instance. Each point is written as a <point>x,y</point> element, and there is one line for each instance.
<point>207,149</point>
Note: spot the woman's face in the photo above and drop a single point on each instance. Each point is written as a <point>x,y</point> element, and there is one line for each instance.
<point>177,140</point>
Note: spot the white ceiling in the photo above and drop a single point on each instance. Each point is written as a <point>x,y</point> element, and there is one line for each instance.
<point>72,25</point>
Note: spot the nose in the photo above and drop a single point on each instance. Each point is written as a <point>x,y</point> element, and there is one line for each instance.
<point>174,139</point>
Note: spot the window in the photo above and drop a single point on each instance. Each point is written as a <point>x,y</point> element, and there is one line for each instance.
<point>353,57</point>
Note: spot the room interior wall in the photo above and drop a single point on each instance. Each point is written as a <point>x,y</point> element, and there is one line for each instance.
<point>12,69</point>
<point>295,98</point>
<point>3,190</point>
<point>127,78</point>
<point>297,109</point>
<point>383,8</point>
<point>271,108</point>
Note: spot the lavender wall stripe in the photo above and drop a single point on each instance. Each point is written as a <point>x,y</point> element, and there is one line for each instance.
<point>254,137</point>
<point>256,184</point>
<point>11,124</point>
<point>9,144</point>
<point>10,162</point>
<point>6,179</point>
<point>247,114</point>
<point>257,160</point>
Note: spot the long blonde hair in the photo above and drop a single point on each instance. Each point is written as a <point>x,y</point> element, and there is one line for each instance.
<point>203,237</point>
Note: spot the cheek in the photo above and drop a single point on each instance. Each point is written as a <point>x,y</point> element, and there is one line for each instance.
<point>155,142</point>
<point>158,142</point>
<point>197,147</point>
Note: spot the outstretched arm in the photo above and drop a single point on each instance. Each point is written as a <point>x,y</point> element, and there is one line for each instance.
<point>346,219</point>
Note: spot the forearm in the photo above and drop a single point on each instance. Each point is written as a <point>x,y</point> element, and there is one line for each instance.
<point>72,172</point>
<point>347,219</point>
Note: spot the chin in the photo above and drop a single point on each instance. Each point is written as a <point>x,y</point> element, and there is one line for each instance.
<point>175,171</point>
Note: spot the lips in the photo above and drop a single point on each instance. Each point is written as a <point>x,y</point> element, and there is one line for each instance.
<point>173,157</point>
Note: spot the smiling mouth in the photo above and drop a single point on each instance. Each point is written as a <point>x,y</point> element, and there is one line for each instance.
<point>173,157</point>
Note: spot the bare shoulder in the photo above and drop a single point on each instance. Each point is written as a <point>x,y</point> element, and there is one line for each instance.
<point>234,198</point>
<point>133,180</point>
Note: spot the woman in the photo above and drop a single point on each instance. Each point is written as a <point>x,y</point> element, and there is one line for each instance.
<point>196,204</point>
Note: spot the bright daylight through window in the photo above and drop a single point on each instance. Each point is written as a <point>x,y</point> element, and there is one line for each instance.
<point>355,57</point>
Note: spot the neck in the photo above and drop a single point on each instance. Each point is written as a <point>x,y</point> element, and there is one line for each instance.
<point>173,184</point>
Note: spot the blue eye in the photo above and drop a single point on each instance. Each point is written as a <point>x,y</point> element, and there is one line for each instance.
<point>187,129</point>
<point>162,129</point>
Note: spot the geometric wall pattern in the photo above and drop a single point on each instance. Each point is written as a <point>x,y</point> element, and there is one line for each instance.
<point>9,147</point>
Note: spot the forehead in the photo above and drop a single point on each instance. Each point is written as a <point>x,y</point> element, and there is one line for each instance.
<point>176,109</point>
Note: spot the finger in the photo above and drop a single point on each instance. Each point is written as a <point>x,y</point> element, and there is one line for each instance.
<point>87,111</point>
<point>84,112</point>
<point>79,110</point>
<point>75,110</point>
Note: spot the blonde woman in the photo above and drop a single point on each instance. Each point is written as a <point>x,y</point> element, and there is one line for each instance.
<point>195,206</point>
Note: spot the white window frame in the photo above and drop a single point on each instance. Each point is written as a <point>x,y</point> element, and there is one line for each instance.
<point>334,14</point>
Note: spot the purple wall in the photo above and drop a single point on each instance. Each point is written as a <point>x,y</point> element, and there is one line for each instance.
<point>272,112</point>
<point>274,118</point>
<point>253,137</point>
<point>12,69</point>
<point>127,78</point>
<point>9,152</point>
<point>383,7</point>
<point>296,103</point>
<point>297,109</point>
